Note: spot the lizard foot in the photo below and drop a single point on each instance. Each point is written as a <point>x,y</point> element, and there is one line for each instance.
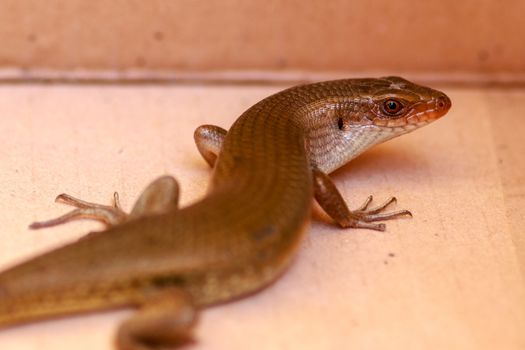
<point>108,215</point>
<point>160,196</point>
<point>363,216</point>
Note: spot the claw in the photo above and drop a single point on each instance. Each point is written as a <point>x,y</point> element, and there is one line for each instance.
<point>79,203</point>
<point>386,204</point>
<point>116,200</point>
<point>365,204</point>
<point>377,227</point>
<point>386,216</point>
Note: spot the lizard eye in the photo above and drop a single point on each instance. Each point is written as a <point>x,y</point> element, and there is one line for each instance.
<point>392,107</point>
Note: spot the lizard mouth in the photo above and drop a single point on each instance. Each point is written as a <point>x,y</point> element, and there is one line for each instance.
<point>426,112</point>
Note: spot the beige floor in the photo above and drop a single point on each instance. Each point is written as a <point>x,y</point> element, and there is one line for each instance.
<point>447,279</point>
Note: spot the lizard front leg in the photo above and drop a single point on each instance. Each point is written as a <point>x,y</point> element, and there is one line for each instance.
<point>334,205</point>
<point>209,139</point>
<point>160,196</point>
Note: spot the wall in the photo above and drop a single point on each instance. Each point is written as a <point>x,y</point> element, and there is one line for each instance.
<point>451,39</point>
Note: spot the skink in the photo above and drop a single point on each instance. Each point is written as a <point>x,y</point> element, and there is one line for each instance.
<point>169,262</point>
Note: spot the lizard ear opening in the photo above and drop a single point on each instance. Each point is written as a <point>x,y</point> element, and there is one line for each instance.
<point>340,123</point>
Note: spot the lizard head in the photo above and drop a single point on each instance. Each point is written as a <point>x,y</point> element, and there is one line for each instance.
<point>397,106</point>
<point>405,104</point>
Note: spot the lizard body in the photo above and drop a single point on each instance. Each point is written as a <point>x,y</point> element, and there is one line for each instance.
<point>267,168</point>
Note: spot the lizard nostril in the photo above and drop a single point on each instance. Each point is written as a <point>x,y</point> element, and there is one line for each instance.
<point>443,103</point>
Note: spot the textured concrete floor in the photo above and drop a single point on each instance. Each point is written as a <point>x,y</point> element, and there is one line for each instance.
<point>449,278</point>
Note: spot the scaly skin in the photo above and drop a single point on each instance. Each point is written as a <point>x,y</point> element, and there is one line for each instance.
<point>272,162</point>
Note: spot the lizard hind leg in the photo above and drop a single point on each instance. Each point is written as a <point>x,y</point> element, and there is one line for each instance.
<point>161,195</point>
<point>165,320</point>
